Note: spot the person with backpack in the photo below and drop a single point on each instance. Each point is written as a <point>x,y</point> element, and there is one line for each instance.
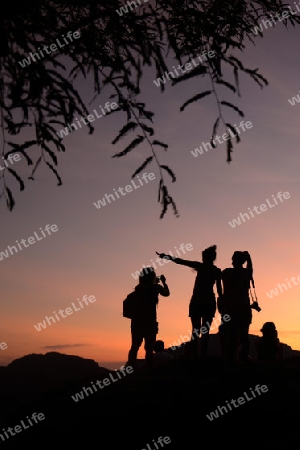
<point>140,306</point>
<point>202,306</point>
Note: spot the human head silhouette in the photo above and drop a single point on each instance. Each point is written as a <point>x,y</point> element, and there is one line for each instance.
<point>159,346</point>
<point>269,330</point>
<point>238,259</point>
<point>147,276</point>
<point>209,255</point>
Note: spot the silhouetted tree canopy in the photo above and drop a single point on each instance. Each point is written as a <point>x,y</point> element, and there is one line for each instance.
<point>40,98</point>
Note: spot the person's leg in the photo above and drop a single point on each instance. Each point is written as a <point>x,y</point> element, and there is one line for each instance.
<point>232,341</point>
<point>136,342</point>
<point>244,341</point>
<point>150,339</point>
<point>206,322</point>
<point>222,339</point>
<point>196,324</point>
<point>208,312</point>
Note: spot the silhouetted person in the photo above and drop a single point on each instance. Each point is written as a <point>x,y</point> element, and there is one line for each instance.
<point>223,337</point>
<point>188,351</point>
<point>268,346</point>
<point>202,306</point>
<point>144,325</point>
<point>161,356</point>
<point>236,303</point>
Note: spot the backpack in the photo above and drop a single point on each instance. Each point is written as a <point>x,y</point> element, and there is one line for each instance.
<point>130,305</point>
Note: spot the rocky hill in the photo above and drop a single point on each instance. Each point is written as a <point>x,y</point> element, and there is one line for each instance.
<point>135,409</point>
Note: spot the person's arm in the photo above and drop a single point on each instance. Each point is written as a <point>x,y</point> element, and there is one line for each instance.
<point>222,280</point>
<point>182,262</point>
<point>249,266</point>
<point>219,284</point>
<point>164,289</point>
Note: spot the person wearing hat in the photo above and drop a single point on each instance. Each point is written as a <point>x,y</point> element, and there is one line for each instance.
<point>268,346</point>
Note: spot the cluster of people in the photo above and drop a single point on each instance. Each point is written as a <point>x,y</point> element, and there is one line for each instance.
<point>232,286</point>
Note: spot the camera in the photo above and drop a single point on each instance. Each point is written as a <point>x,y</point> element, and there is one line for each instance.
<point>256,306</point>
<point>159,277</point>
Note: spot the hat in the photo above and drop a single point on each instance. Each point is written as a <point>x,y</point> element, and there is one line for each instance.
<point>268,326</point>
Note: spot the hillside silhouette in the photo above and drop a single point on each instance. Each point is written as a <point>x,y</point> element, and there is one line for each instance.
<point>144,405</point>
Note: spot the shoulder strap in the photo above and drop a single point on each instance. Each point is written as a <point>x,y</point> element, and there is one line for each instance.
<point>253,285</point>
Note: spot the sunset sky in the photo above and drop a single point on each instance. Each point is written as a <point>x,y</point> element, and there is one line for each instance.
<point>95,251</point>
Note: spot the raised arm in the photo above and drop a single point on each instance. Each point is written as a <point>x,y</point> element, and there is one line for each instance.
<point>164,289</point>
<point>249,266</point>
<point>182,262</point>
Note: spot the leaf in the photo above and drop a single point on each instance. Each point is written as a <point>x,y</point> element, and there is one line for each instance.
<point>229,85</point>
<point>148,129</point>
<point>16,150</point>
<point>51,153</point>
<point>130,126</point>
<point>174,208</point>
<point>55,172</point>
<point>170,172</point>
<point>22,186</point>
<point>147,114</point>
<point>34,169</point>
<point>130,147</point>
<point>256,76</point>
<point>216,124</point>
<point>9,199</point>
<point>28,144</point>
<point>236,77</point>
<point>237,61</point>
<point>238,139</point>
<point>159,189</point>
<point>161,144</point>
<point>145,163</point>
<point>230,105</point>
<point>229,150</point>
<point>195,98</point>
<point>166,201</point>
<point>194,73</point>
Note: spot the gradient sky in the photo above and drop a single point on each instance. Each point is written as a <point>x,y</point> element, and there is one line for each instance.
<point>95,250</point>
